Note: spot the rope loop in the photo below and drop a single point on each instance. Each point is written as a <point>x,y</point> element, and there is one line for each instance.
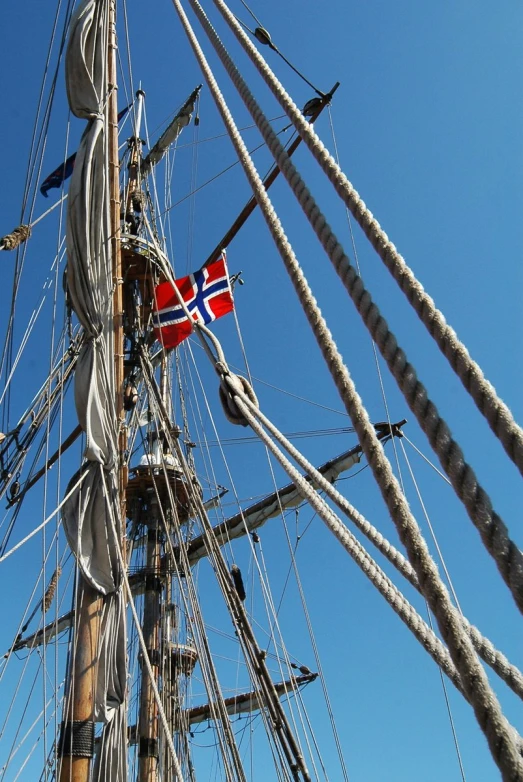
<point>232,385</point>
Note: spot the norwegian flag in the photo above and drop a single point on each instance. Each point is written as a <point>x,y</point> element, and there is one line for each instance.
<point>207,295</point>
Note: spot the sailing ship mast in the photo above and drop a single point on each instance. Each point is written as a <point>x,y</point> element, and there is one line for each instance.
<point>161,502</point>
<point>77,739</point>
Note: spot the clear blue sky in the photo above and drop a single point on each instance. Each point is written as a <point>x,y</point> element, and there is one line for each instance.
<point>428,122</point>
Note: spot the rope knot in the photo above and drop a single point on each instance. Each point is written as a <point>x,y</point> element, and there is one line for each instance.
<point>13,240</point>
<point>230,386</point>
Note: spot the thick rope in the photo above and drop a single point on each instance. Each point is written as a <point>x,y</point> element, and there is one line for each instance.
<point>491,527</point>
<point>481,390</point>
<point>488,713</point>
<point>499,663</point>
<point>15,238</point>
<point>369,567</point>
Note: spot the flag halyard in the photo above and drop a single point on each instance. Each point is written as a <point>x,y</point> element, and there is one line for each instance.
<point>207,295</point>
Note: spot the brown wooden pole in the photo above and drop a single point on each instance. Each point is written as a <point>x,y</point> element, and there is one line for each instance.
<point>82,686</point>
<point>251,204</point>
<point>72,438</point>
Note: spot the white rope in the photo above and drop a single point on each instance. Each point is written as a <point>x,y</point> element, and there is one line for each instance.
<point>47,520</point>
<point>481,390</point>
<point>508,672</point>
<point>489,524</point>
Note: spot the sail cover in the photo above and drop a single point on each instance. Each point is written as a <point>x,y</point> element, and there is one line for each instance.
<point>91,515</point>
<point>172,132</point>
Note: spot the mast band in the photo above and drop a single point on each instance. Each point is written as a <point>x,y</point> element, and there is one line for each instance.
<point>154,657</point>
<point>153,583</point>
<point>148,748</point>
<point>76,739</point>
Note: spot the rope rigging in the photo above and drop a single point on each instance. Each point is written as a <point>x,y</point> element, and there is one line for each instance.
<point>149,414</point>
<point>490,525</point>
<point>489,404</point>
<point>434,590</point>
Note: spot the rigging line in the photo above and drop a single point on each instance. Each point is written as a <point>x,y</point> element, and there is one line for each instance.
<point>262,35</point>
<point>51,209</point>
<point>286,742</point>
<point>208,461</point>
<point>47,520</point>
<point>272,617</point>
<point>156,214</point>
<point>297,396</point>
<point>225,135</point>
<point>284,649</point>
<point>317,658</point>
<point>432,531</point>
<point>283,391</point>
<point>32,320</point>
<point>251,13</point>
<point>192,203</point>
<point>19,728</point>
<point>357,262</point>
<point>30,730</point>
<point>263,579</point>
<point>300,435</point>
<point>34,152</point>
<point>448,707</point>
<point>47,446</point>
<point>217,176</point>
<point>441,475</point>
<point>208,670</point>
<point>33,748</point>
<point>128,51</point>
<point>20,256</point>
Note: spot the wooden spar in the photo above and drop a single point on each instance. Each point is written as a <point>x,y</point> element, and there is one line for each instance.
<point>251,205</point>
<point>72,438</point>
<point>246,702</point>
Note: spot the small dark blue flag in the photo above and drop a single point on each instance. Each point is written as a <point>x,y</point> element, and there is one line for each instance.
<point>64,171</point>
<point>58,176</point>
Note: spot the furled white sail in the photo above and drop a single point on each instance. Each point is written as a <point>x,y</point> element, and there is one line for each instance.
<point>91,516</point>
<point>172,132</point>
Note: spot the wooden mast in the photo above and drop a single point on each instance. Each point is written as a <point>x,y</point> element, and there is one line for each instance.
<point>77,739</point>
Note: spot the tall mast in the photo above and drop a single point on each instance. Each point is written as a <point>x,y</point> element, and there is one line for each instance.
<point>77,738</point>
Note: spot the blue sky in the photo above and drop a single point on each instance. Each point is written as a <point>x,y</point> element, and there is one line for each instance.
<point>428,122</point>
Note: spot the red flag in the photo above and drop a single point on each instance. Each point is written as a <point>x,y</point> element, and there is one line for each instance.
<point>207,295</point>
